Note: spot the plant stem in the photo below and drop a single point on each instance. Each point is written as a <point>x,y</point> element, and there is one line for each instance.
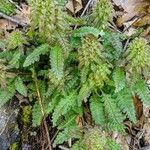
<point>41,108</point>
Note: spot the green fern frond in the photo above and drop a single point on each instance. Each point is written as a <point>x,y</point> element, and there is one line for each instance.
<point>83,31</point>
<point>36,115</point>
<point>14,63</point>
<point>66,134</point>
<point>141,89</point>
<point>62,137</point>
<point>112,145</point>
<point>57,61</point>
<point>125,103</point>
<point>115,117</point>
<point>77,146</point>
<point>116,42</point>
<point>113,43</point>
<point>35,55</point>
<point>84,93</point>
<point>97,111</point>
<point>55,82</point>
<point>65,104</point>
<point>15,39</point>
<point>72,83</point>
<point>20,87</point>
<point>70,120</point>
<point>53,103</point>
<point>119,79</point>
<point>6,94</point>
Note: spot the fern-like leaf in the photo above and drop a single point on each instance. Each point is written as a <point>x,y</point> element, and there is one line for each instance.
<point>14,63</point>
<point>141,89</point>
<point>115,117</point>
<point>20,87</point>
<point>36,115</point>
<point>57,61</point>
<point>84,92</point>
<point>35,55</point>
<point>65,135</point>
<point>70,120</point>
<point>77,146</point>
<point>119,79</point>
<point>125,103</point>
<point>15,39</point>
<point>97,111</point>
<point>83,31</point>
<point>6,95</point>
<point>112,145</point>
<point>64,106</point>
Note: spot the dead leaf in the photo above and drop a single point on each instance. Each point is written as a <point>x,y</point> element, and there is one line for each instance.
<point>142,21</point>
<point>7,25</point>
<point>132,8</point>
<point>79,122</point>
<point>138,107</point>
<point>74,6</point>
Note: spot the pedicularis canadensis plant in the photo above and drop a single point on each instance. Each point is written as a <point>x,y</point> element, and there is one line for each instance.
<point>65,71</point>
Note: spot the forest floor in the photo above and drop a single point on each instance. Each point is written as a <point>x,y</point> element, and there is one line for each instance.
<point>129,17</point>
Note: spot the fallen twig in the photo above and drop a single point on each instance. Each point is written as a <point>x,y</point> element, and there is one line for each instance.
<point>15,5</point>
<point>13,19</point>
<point>63,148</point>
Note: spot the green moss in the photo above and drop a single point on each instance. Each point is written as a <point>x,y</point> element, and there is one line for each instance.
<point>14,146</point>
<point>102,14</point>
<point>94,140</point>
<point>26,115</point>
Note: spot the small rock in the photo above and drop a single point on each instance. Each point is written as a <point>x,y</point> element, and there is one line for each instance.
<point>145,148</point>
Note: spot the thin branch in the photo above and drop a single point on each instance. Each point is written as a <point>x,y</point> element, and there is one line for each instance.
<point>17,6</point>
<point>13,19</point>
<point>63,148</point>
<point>42,108</point>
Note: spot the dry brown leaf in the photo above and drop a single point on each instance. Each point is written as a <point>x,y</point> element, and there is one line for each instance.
<point>7,25</point>
<point>143,21</point>
<point>131,9</point>
<point>79,122</point>
<point>74,6</point>
<point>138,107</point>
